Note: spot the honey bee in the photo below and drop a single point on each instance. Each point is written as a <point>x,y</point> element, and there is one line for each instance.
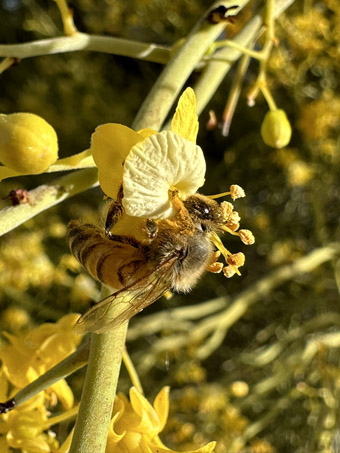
<point>173,256</point>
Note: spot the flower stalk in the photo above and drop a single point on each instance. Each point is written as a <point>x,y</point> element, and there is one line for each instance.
<point>90,433</point>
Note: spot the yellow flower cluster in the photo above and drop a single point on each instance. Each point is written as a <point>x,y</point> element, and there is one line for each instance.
<point>24,359</point>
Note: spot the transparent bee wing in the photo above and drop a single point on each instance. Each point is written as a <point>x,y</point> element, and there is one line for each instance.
<point>118,308</point>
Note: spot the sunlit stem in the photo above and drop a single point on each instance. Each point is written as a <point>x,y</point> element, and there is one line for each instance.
<point>61,418</point>
<point>132,371</point>
<point>261,82</point>
<point>257,54</point>
<point>6,63</point>
<point>94,416</point>
<point>234,93</point>
<point>67,17</point>
<point>268,96</point>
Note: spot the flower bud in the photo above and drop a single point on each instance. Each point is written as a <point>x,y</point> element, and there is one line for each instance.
<point>276,130</point>
<point>28,144</point>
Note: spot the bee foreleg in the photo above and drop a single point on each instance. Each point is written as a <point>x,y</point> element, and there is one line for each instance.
<point>114,212</point>
<point>183,214</point>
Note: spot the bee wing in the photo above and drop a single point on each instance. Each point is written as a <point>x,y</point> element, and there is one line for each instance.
<point>118,308</point>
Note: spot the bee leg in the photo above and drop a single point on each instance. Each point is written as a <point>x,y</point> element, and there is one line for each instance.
<point>183,214</point>
<point>114,213</point>
<point>151,229</point>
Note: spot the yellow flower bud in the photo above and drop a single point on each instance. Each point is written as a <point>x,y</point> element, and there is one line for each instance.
<point>28,144</point>
<point>276,130</point>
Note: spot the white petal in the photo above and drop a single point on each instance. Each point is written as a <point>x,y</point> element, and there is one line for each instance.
<point>153,166</point>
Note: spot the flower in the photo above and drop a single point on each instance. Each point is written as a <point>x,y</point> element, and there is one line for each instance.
<point>28,144</point>
<point>151,166</point>
<point>135,424</point>
<point>26,428</point>
<point>151,163</point>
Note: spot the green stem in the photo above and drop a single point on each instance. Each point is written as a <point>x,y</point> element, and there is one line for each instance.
<point>46,196</point>
<point>83,41</point>
<point>90,433</point>
<point>157,104</point>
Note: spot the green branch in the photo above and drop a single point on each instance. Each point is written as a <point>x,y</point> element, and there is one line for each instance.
<point>46,196</point>
<point>83,41</point>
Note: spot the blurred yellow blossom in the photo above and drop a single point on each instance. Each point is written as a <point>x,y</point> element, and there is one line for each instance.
<point>25,431</point>
<point>149,163</point>
<point>28,356</point>
<point>15,318</point>
<point>319,117</point>
<point>27,427</point>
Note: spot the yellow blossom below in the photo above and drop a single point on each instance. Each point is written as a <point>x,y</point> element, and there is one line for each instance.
<point>153,167</point>
<point>135,425</point>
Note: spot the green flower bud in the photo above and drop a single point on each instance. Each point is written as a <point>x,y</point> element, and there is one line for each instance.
<point>28,144</point>
<point>276,130</point>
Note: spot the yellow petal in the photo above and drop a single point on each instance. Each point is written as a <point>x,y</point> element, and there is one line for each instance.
<point>161,405</point>
<point>155,165</point>
<point>149,421</point>
<point>110,144</point>
<point>185,120</point>
<point>80,160</point>
<point>145,133</point>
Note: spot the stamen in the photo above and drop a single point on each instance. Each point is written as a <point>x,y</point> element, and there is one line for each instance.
<point>218,243</point>
<point>235,192</point>
<point>228,230</point>
<point>219,195</point>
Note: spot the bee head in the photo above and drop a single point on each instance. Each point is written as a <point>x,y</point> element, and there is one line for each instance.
<point>206,213</point>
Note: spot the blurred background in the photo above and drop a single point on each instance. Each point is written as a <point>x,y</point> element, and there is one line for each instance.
<point>271,374</point>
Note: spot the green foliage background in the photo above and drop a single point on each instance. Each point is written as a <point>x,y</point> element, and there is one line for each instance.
<point>292,206</point>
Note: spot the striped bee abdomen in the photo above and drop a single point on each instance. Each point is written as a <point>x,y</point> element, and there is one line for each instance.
<point>113,263</point>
